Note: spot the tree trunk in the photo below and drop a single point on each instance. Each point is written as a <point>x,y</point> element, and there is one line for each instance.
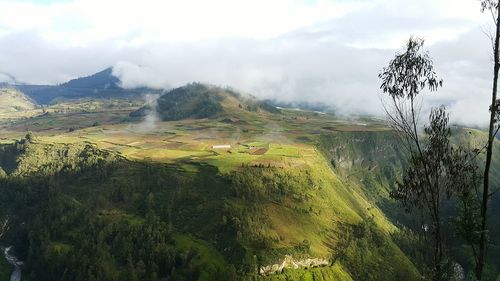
<point>438,250</point>
<point>437,255</point>
<point>484,203</point>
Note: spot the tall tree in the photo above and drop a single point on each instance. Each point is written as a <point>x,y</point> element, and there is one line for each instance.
<point>435,170</point>
<point>406,76</point>
<point>492,6</point>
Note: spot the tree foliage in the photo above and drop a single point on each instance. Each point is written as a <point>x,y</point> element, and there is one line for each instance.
<point>410,73</point>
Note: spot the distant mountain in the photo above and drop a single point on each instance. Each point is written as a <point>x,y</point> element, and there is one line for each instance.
<point>196,101</point>
<point>100,80</point>
<point>99,85</point>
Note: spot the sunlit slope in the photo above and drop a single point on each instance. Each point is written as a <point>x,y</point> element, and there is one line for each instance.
<point>370,160</point>
<point>11,100</point>
<point>14,104</point>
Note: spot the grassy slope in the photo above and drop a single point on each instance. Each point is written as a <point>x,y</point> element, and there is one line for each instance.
<point>369,160</point>
<point>14,104</point>
<point>12,100</point>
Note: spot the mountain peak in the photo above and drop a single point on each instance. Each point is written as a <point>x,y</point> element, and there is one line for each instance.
<point>100,80</point>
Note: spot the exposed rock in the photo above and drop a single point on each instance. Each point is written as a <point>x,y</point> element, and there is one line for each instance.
<point>290,262</point>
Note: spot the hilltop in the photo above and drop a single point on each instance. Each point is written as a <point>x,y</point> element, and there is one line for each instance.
<point>197,100</point>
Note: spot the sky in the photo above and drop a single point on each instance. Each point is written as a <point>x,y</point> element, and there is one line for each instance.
<point>319,51</point>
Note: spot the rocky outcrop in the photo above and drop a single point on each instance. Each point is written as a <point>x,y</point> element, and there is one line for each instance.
<point>290,262</point>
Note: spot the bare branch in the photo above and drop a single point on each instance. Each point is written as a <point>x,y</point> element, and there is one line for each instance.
<point>493,192</point>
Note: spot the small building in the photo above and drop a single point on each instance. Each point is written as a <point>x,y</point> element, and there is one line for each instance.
<point>221,146</point>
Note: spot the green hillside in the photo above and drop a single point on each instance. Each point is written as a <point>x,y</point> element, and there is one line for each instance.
<point>14,104</point>
<point>132,219</point>
<point>12,100</point>
<point>198,101</point>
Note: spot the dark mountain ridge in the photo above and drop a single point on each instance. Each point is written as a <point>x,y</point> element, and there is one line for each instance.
<point>100,80</point>
<point>102,84</point>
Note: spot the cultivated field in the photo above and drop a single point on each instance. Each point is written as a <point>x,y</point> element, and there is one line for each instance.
<point>276,140</point>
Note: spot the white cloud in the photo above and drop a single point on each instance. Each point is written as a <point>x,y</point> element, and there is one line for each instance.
<point>85,21</point>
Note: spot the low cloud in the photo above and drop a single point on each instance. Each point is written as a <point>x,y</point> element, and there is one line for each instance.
<point>151,114</point>
<point>284,69</point>
<point>345,78</point>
